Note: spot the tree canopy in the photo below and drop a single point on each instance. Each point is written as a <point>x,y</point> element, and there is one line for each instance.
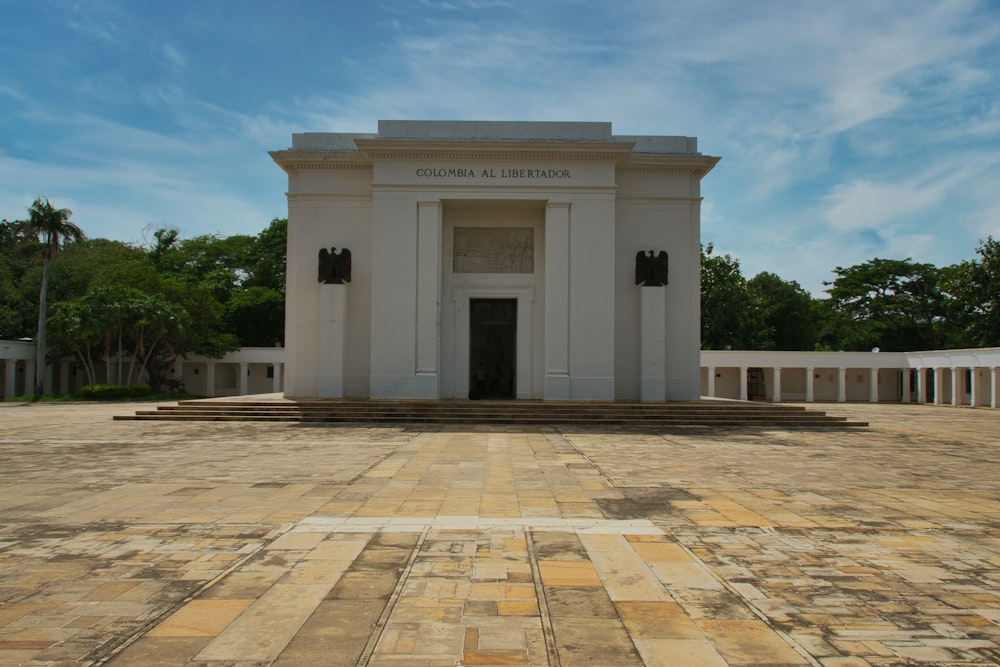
<point>889,304</point>
<point>145,303</point>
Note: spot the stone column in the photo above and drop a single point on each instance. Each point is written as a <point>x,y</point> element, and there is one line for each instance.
<point>394,279</point>
<point>776,381</point>
<point>810,385</point>
<point>427,379</point>
<point>29,377</point>
<point>653,342</point>
<point>210,378</point>
<point>841,385</point>
<point>955,387</point>
<point>921,385</point>
<point>993,387</point>
<point>244,383</point>
<point>711,381</point>
<point>557,301</point>
<point>973,388</point>
<point>9,377</point>
<point>873,385</point>
<point>276,379</point>
<point>743,383</point>
<point>332,329</point>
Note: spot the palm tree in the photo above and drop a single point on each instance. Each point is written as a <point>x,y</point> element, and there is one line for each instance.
<point>52,227</point>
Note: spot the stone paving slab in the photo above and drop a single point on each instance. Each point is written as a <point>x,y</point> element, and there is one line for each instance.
<point>168,543</point>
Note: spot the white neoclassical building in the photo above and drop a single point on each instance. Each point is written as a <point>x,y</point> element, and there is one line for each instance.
<point>493,260</point>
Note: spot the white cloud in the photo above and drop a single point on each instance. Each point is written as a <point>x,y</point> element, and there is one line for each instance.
<point>174,58</point>
<point>893,103</point>
<point>863,204</point>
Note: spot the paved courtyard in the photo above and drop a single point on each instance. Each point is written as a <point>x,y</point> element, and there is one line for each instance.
<point>168,543</point>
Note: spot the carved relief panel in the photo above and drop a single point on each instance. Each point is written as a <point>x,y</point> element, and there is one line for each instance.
<point>494,250</point>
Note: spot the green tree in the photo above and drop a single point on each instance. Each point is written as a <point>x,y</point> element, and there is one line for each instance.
<point>52,227</point>
<point>786,311</point>
<point>217,263</point>
<point>256,315</point>
<point>76,332</point>
<point>730,319</point>
<point>895,305</point>
<point>267,265</point>
<point>121,323</point>
<point>11,304</point>
<point>974,286</point>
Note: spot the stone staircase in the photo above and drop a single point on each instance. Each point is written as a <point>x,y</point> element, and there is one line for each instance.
<point>707,413</point>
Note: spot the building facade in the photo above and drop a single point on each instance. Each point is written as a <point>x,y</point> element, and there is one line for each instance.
<point>493,260</point>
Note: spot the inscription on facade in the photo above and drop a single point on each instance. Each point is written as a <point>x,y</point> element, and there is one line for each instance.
<point>494,250</point>
<point>501,173</point>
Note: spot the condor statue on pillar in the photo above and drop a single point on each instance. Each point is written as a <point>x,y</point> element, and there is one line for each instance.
<point>493,260</point>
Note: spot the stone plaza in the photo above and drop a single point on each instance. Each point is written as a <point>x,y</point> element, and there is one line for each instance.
<point>153,543</point>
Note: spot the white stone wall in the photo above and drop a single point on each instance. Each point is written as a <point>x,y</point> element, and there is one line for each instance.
<point>400,328</point>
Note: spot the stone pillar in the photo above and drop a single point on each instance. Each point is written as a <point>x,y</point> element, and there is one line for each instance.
<point>29,377</point>
<point>841,385</point>
<point>557,301</point>
<point>873,385</point>
<point>244,382</point>
<point>428,380</point>
<point>9,377</point>
<point>276,380</point>
<point>394,276</point>
<point>743,383</point>
<point>776,381</point>
<point>711,381</point>
<point>653,342</point>
<point>332,328</point>
<point>210,378</point>
<point>973,388</point>
<point>810,385</point>
<point>938,386</point>
<point>955,387</point>
<point>993,387</point>
<point>905,375</point>
<point>921,385</point>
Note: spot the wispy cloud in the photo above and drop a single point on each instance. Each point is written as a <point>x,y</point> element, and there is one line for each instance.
<point>846,129</point>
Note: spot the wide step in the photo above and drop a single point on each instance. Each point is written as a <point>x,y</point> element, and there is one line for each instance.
<point>646,415</point>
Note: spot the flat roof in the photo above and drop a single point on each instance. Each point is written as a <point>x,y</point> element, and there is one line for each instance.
<point>481,130</point>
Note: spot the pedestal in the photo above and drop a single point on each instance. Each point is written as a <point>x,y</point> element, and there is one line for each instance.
<point>653,334</point>
<point>332,319</point>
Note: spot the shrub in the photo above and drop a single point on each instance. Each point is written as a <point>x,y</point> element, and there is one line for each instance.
<point>114,392</point>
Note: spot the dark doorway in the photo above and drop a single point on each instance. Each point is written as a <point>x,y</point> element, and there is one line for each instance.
<point>755,384</point>
<point>492,348</point>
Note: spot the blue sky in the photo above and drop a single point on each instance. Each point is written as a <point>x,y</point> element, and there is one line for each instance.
<point>848,130</point>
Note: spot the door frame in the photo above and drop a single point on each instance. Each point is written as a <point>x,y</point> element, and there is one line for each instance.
<point>461,298</point>
<point>504,332</point>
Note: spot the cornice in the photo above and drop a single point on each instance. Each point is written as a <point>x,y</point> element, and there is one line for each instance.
<point>293,160</point>
<point>651,163</point>
<point>563,151</point>
<point>617,153</point>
